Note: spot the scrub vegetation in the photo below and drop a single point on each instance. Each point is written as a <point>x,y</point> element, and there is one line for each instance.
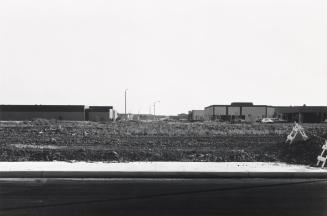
<point>45,140</point>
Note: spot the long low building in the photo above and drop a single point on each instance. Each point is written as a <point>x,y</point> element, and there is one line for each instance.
<point>250,112</point>
<point>238,111</point>
<point>31,112</point>
<point>305,114</point>
<point>57,112</point>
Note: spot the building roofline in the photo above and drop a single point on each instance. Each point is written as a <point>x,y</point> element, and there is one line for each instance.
<point>301,106</point>
<point>45,105</point>
<point>42,108</point>
<point>239,106</point>
<point>215,105</point>
<point>98,108</point>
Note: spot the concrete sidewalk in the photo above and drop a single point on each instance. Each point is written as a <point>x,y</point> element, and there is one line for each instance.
<point>158,170</point>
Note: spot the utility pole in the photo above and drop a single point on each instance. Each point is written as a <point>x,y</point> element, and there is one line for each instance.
<point>126,103</point>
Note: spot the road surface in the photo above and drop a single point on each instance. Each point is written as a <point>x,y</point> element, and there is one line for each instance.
<point>214,196</point>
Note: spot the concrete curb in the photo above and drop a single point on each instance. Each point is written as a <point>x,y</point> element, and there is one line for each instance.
<point>157,170</point>
<point>122,174</point>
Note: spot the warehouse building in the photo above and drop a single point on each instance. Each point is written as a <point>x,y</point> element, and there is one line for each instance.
<point>99,113</point>
<point>57,112</point>
<point>302,114</point>
<point>238,111</point>
<point>32,112</point>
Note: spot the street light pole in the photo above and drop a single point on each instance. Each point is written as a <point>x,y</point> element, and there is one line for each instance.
<point>126,103</point>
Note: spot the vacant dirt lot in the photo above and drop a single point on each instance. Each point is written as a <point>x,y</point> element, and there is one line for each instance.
<point>44,140</point>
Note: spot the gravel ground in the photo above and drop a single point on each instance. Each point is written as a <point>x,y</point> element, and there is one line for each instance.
<point>44,140</point>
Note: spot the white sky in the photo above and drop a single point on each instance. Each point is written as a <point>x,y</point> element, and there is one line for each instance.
<point>187,54</point>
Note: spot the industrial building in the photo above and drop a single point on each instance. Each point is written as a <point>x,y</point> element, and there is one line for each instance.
<point>57,112</point>
<point>238,111</point>
<point>250,112</point>
<point>31,112</point>
<point>302,114</point>
<point>99,113</point>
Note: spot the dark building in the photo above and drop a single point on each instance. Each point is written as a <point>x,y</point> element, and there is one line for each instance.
<point>238,111</point>
<point>99,113</point>
<point>302,114</point>
<point>32,112</point>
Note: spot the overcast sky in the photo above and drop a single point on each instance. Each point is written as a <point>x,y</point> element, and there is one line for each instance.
<point>187,54</point>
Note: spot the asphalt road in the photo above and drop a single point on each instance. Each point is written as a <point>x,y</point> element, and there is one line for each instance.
<point>163,197</point>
